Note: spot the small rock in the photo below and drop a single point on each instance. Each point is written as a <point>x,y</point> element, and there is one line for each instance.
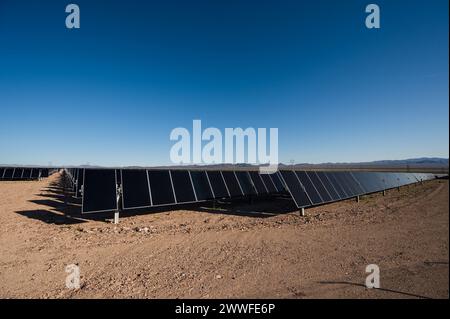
<point>218,277</point>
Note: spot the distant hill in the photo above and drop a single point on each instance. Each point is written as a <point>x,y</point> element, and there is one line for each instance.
<point>413,164</point>
<point>423,164</point>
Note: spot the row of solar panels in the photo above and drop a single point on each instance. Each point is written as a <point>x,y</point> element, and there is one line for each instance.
<point>150,188</point>
<point>23,173</point>
<point>140,188</point>
<point>309,188</point>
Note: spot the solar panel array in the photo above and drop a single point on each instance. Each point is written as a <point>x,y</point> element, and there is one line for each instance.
<point>24,173</point>
<point>309,188</point>
<point>101,189</point>
<point>141,188</point>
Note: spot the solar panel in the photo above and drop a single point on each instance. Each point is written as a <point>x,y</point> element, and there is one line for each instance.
<point>312,192</point>
<point>99,193</point>
<point>359,187</point>
<point>344,184</point>
<point>201,185</point>
<point>328,185</point>
<point>44,172</point>
<point>364,181</point>
<point>26,173</point>
<point>404,179</point>
<point>258,182</point>
<point>17,173</point>
<point>34,173</point>
<point>348,184</point>
<point>389,180</point>
<point>352,184</point>
<point>135,189</point>
<point>319,186</point>
<point>337,185</point>
<point>232,183</point>
<point>161,187</point>
<point>2,170</point>
<point>379,180</point>
<point>295,189</point>
<point>269,183</point>
<point>182,184</point>
<point>218,184</point>
<point>245,182</point>
<point>279,184</point>
<point>411,178</point>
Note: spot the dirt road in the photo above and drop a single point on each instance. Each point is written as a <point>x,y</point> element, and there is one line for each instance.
<point>207,253</point>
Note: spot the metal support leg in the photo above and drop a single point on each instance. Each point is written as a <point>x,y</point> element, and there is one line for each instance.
<point>302,211</point>
<point>357,199</point>
<point>398,188</point>
<point>384,192</point>
<point>119,202</point>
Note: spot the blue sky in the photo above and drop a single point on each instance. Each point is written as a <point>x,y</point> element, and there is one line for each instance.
<point>110,92</point>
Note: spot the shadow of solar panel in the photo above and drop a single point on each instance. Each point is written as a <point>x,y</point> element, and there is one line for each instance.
<point>218,184</point>
<point>258,182</point>
<point>18,173</point>
<point>309,187</point>
<point>328,185</point>
<point>279,184</point>
<point>319,186</point>
<point>295,189</point>
<point>160,187</point>
<point>135,189</point>
<point>26,173</point>
<point>99,191</point>
<point>182,184</point>
<point>245,182</point>
<point>269,183</point>
<point>201,185</point>
<point>80,183</point>
<point>232,183</point>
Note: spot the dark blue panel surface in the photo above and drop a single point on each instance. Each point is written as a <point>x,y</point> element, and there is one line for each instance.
<point>295,188</point>
<point>99,193</point>
<point>309,187</point>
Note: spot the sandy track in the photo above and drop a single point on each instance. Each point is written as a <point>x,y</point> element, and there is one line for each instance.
<point>210,253</point>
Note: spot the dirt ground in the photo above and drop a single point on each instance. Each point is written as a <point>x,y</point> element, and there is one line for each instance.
<point>237,250</point>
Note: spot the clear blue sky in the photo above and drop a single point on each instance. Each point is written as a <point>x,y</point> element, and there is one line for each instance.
<point>111,92</point>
